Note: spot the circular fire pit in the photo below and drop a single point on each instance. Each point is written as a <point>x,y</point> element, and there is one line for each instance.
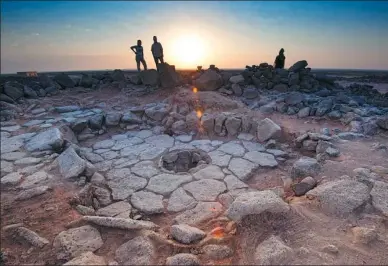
<point>184,160</point>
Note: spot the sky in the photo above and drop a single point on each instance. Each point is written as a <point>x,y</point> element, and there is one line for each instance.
<point>91,35</point>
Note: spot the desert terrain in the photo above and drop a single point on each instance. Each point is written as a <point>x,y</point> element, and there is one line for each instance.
<point>185,167</point>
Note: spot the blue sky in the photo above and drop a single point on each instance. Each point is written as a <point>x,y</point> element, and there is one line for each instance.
<point>76,35</point>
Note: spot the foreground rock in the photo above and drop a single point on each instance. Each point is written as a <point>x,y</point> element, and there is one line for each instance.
<point>70,164</point>
<point>87,258</point>
<point>51,139</point>
<point>75,241</point>
<point>272,251</point>
<point>256,203</point>
<point>120,223</point>
<point>202,212</point>
<point>186,234</point>
<point>304,167</point>
<point>379,195</point>
<point>31,237</point>
<point>183,259</point>
<point>137,251</point>
<point>267,129</point>
<point>209,81</point>
<point>340,197</point>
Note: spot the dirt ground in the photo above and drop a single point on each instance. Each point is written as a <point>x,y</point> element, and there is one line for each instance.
<point>306,226</point>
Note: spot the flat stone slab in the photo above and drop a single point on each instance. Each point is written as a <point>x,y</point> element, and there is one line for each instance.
<point>104,144</point>
<point>93,157</point>
<point>13,156</point>
<point>134,150</point>
<point>261,158</point>
<point>143,134</point>
<point>35,179</point>
<point>276,153</point>
<point>233,182</point>
<point>205,189</point>
<point>340,197</point>
<point>12,179</point>
<point>161,141</point>
<point>121,144</point>
<point>33,123</point>
<point>180,201</point>
<point>32,192</point>
<point>110,155</point>
<point>116,209</point>
<point>245,136</point>
<point>152,153</point>
<point>183,259</point>
<point>11,128</point>
<point>184,138</point>
<point>27,161</point>
<point>220,158</point>
<point>256,203</point>
<point>241,168</point>
<point>232,149</point>
<point>10,145</point>
<point>253,146</point>
<point>145,169</point>
<point>147,202</point>
<point>70,164</point>
<point>123,183</point>
<point>210,172</point>
<point>166,183</point>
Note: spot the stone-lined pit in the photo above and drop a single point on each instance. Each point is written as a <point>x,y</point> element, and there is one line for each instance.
<point>184,160</point>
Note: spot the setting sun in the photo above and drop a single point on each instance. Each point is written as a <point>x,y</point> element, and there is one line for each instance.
<point>188,50</point>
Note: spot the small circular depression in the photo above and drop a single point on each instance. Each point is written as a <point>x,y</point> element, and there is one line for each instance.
<point>184,160</point>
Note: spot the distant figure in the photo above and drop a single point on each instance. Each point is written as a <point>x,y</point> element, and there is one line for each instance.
<point>138,50</point>
<point>280,59</point>
<point>157,52</point>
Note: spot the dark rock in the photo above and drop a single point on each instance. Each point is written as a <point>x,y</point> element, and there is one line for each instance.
<point>383,122</point>
<point>324,78</point>
<point>334,115</point>
<point>30,93</point>
<point>6,98</point>
<point>86,81</point>
<point>96,121</point>
<point>79,125</point>
<point>324,107</point>
<point>53,90</point>
<point>281,87</point>
<point>118,75</point>
<point>210,80</point>
<point>64,81</point>
<point>169,78</point>
<point>131,118</point>
<point>294,98</point>
<point>250,93</point>
<point>298,66</point>
<point>14,90</point>
<point>150,77</point>
<point>370,128</point>
<point>237,89</point>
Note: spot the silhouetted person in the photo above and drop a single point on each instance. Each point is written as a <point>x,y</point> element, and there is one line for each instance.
<point>157,52</point>
<point>138,50</point>
<point>280,59</point>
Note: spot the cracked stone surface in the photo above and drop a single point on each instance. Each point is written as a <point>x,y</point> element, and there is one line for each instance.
<point>205,189</point>
<point>210,172</point>
<point>220,158</point>
<point>147,202</point>
<point>232,149</point>
<point>180,201</point>
<point>261,158</point>
<point>145,169</point>
<point>204,211</point>
<point>166,183</point>
<point>241,168</point>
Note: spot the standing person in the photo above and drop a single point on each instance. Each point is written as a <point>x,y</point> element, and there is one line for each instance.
<point>157,52</point>
<point>138,50</point>
<point>280,59</point>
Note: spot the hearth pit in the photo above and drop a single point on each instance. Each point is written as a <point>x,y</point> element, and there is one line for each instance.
<point>183,160</point>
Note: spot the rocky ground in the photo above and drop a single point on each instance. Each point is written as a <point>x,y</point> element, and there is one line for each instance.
<point>209,167</point>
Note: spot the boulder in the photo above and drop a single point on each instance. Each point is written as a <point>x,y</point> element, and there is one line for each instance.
<point>304,167</point>
<point>6,98</point>
<point>304,112</point>
<point>237,79</point>
<point>341,197</point>
<point>30,93</point>
<point>237,89</point>
<point>232,125</point>
<point>157,112</point>
<point>118,75</point>
<point>51,139</point>
<point>383,122</point>
<point>87,258</point>
<point>379,195</point>
<point>210,80</point>
<point>272,251</point>
<point>324,107</point>
<point>294,98</point>
<point>14,90</point>
<point>150,77</point>
<point>186,234</point>
<point>64,81</point>
<point>256,203</point>
<point>86,81</point>
<point>168,76</point>
<point>298,66</point>
<point>250,93</point>
<point>76,241</point>
<point>280,87</point>
<point>267,129</point>
<point>137,251</point>
<point>183,259</point>
<point>70,164</point>
<point>96,121</point>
